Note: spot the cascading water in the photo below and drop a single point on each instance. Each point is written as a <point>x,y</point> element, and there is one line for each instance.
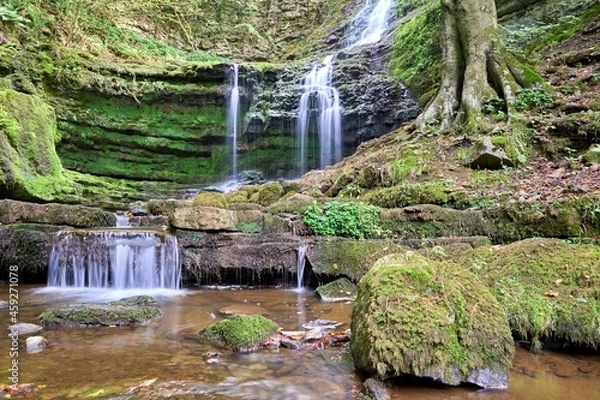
<point>116,259</point>
<point>232,118</point>
<point>320,99</point>
<point>377,23</point>
<point>320,109</point>
<point>300,266</point>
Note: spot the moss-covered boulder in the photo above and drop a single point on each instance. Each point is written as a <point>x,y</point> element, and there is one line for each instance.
<point>12,212</point>
<point>210,199</point>
<point>137,310</point>
<point>332,257</point>
<point>267,193</point>
<point>549,288</point>
<point>243,333</point>
<point>339,290</point>
<point>29,166</point>
<point>416,316</point>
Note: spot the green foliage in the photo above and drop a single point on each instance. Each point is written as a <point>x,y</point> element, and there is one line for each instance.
<point>249,227</point>
<point>529,98</point>
<point>352,220</point>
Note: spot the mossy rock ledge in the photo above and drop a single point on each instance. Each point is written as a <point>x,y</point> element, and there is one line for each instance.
<point>244,333</point>
<point>136,310</point>
<point>420,317</point>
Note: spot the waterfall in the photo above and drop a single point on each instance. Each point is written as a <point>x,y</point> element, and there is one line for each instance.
<point>321,98</point>
<point>377,22</point>
<point>116,259</point>
<point>300,266</point>
<point>232,118</point>
<point>122,221</point>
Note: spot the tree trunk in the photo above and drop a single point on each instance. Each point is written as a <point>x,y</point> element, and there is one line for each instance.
<point>476,68</point>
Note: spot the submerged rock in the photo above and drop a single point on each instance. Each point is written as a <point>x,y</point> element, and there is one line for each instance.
<point>416,316</point>
<point>35,344</point>
<point>339,290</point>
<point>136,310</point>
<point>241,333</point>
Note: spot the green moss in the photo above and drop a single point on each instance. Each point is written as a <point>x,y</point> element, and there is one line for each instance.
<point>548,288</point>
<point>267,193</point>
<point>347,257</point>
<point>417,316</point>
<point>210,199</point>
<point>405,194</point>
<point>241,333</point>
<point>416,56</point>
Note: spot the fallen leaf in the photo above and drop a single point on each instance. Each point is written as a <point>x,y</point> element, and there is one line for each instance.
<point>550,293</point>
<point>558,282</point>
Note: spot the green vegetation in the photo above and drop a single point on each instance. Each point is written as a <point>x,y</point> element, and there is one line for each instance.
<point>352,220</point>
<point>242,333</point>
<point>416,56</point>
<point>418,316</point>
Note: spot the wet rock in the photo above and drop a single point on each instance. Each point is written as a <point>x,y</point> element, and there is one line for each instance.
<point>321,324</point>
<point>376,389</point>
<point>24,329</point>
<point>241,309</point>
<point>136,310</point>
<point>35,344</point>
<point>418,316</point>
<point>314,334</point>
<point>290,343</point>
<point>488,156</point>
<point>339,290</point>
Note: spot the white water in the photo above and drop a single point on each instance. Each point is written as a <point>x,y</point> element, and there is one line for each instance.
<point>232,118</point>
<point>122,221</point>
<point>377,22</point>
<point>322,101</point>
<point>300,266</point>
<point>116,259</point>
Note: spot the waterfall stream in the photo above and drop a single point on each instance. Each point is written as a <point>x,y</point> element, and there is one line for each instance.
<point>232,119</point>
<point>300,266</point>
<point>116,259</point>
<point>320,110</point>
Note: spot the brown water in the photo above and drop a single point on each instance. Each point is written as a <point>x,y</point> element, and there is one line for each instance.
<point>104,362</point>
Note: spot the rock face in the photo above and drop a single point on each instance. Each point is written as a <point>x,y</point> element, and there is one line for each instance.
<point>12,212</point>
<point>203,218</point>
<point>137,310</point>
<point>27,246</point>
<point>414,316</point>
<point>241,333</point>
<point>238,258</point>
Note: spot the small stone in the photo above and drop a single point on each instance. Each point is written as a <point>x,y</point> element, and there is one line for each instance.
<point>24,329</point>
<point>35,344</point>
<point>314,334</point>
<point>290,343</point>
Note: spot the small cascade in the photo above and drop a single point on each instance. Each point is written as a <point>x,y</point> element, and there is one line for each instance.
<point>116,259</point>
<point>300,266</point>
<point>233,117</point>
<point>320,99</point>
<point>377,23</point>
<point>122,221</point>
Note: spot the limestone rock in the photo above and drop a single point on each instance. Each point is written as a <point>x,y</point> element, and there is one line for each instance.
<point>24,329</point>
<point>12,212</point>
<point>203,219</point>
<point>488,156</point>
<point>417,316</point>
<point>35,344</point>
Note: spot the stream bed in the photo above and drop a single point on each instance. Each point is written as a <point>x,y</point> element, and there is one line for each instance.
<point>167,359</point>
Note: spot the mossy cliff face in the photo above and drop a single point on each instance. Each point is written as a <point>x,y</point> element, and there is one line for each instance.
<point>29,166</point>
<point>416,316</point>
<point>146,123</point>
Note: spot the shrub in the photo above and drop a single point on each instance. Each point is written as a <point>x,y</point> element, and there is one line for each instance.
<point>352,220</point>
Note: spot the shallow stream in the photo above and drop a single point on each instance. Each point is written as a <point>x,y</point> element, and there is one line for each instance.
<point>165,359</point>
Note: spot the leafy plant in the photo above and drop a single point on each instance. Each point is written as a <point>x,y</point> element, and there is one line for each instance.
<point>352,220</point>
<point>529,98</point>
